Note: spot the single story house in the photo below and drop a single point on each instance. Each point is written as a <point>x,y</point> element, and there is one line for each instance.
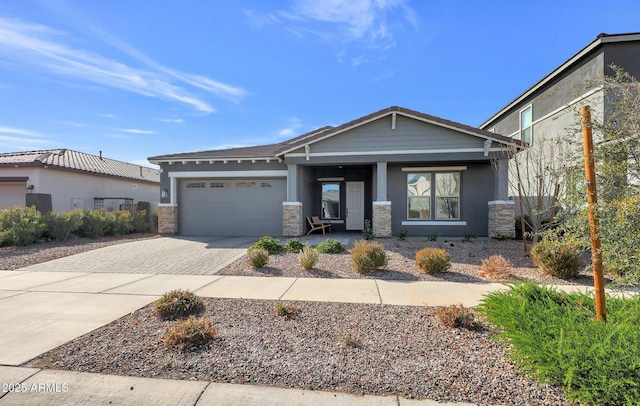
<point>394,169</point>
<point>64,180</point>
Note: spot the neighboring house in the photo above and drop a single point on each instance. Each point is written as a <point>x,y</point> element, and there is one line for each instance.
<point>64,180</point>
<point>398,168</point>
<point>548,108</point>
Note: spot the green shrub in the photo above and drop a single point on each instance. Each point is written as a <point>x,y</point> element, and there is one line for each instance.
<point>95,223</point>
<point>308,257</point>
<point>367,256</point>
<point>556,258</point>
<point>20,226</point>
<point>458,317</point>
<point>189,333</point>
<point>432,237</point>
<point>433,260</point>
<point>330,246</point>
<point>154,219</point>
<point>146,206</point>
<point>470,236</point>
<point>122,223</point>
<point>555,338</point>
<point>293,245</point>
<point>286,311</point>
<point>268,243</point>
<point>58,226</point>
<point>400,234</point>
<point>140,222</point>
<point>258,258</point>
<point>179,303</point>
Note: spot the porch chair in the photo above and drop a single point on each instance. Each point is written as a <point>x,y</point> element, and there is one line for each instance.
<point>316,224</point>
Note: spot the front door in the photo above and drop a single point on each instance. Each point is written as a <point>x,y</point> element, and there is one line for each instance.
<point>355,206</point>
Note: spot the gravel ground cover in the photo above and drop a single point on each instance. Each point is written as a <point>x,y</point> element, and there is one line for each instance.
<point>400,350</point>
<point>12,258</point>
<point>466,259</point>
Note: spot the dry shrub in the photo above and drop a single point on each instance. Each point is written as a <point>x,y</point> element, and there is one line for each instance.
<point>258,258</point>
<point>308,257</point>
<point>495,267</point>
<point>433,260</point>
<point>189,333</point>
<point>179,303</point>
<point>458,317</point>
<point>286,311</point>
<point>367,256</point>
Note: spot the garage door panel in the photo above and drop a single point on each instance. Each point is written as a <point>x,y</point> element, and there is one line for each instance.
<point>232,210</point>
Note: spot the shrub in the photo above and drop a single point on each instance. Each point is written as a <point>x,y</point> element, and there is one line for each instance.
<point>457,317</point>
<point>189,333</point>
<point>58,226</point>
<point>555,338</point>
<point>140,221</point>
<point>433,260</point>
<point>308,257</point>
<point>270,244</point>
<point>286,311</point>
<point>258,258</point>
<point>154,219</point>
<point>556,258</point>
<point>495,267</point>
<point>122,222</point>
<point>432,237</point>
<point>367,256</point>
<point>470,236</point>
<point>95,223</point>
<point>179,303</point>
<point>330,246</point>
<point>349,340</point>
<point>293,245</point>
<point>20,226</point>
<point>401,234</point>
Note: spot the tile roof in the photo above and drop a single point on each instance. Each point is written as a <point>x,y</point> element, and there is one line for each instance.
<point>279,149</point>
<point>78,161</point>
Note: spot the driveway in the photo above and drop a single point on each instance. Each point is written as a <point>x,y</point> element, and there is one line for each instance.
<point>166,255</point>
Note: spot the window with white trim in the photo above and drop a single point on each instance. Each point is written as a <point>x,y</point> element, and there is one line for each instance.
<point>331,200</point>
<point>526,124</point>
<point>433,195</point>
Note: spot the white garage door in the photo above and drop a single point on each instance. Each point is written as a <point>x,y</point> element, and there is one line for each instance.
<point>231,207</point>
<point>12,193</point>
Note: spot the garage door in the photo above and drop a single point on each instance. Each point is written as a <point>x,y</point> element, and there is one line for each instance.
<point>231,207</point>
<point>12,193</point>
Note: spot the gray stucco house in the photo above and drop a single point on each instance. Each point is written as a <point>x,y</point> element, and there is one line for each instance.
<point>397,168</point>
<point>549,106</point>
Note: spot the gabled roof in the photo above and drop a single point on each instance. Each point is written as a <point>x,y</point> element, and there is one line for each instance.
<point>277,151</point>
<point>78,161</point>
<point>581,55</point>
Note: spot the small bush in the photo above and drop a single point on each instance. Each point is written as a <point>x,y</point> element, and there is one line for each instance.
<point>556,258</point>
<point>189,333</point>
<point>349,340</point>
<point>140,221</point>
<point>286,311</point>
<point>293,245</point>
<point>268,243</point>
<point>401,234</point>
<point>308,257</point>
<point>258,258</point>
<point>433,260</point>
<point>495,267</point>
<point>95,223</point>
<point>122,223</point>
<point>458,317</point>
<point>330,246</point>
<point>432,237</point>
<point>470,236</point>
<point>59,226</point>
<point>367,256</point>
<point>20,226</point>
<point>179,303</point>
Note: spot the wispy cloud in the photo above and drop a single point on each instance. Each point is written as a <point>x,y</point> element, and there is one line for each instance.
<point>371,22</point>
<point>20,138</point>
<point>48,50</point>
<point>172,120</point>
<point>136,131</point>
<point>293,126</point>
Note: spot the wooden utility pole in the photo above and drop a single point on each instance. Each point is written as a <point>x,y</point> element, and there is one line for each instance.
<point>596,255</point>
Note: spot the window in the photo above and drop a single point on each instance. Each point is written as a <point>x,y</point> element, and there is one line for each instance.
<point>245,184</point>
<point>421,197</point>
<point>526,124</point>
<point>195,185</point>
<point>330,200</point>
<point>220,184</point>
<point>447,196</point>
<point>271,183</point>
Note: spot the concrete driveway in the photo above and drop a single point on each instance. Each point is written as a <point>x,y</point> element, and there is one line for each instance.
<point>166,255</point>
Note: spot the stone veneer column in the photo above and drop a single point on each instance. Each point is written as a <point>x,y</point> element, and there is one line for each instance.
<point>292,220</point>
<point>167,219</point>
<point>382,219</point>
<point>502,218</point>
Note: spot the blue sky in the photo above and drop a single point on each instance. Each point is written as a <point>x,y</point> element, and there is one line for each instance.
<point>143,78</point>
